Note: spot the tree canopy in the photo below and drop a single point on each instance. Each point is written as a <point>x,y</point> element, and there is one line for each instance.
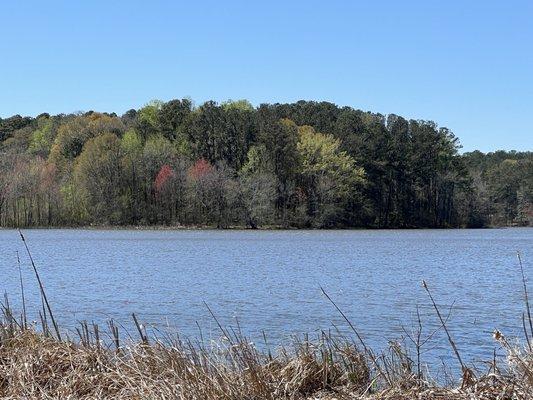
<point>304,164</point>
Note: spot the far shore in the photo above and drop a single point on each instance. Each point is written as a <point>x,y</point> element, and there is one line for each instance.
<point>106,227</point>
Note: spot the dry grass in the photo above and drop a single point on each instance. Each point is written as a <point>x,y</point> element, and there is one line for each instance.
<point>36,366</point>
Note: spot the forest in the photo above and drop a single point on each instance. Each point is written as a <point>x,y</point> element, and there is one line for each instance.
<point>300,165</point>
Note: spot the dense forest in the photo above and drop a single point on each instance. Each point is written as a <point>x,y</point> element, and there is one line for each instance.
<point>306,164</point>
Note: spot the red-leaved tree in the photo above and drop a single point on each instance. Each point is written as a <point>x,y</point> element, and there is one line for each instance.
<point>200,169</point>
<point>163,176</point>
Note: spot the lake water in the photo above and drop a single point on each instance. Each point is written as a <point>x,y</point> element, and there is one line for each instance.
<point>270,280</point>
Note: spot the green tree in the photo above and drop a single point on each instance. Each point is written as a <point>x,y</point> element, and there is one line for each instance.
<point>147,119</point>
<point>330,176</point>
<point>76,131</point>
<point>43,137</point>
<point>171,116</point>
<point>257,189</point>
<point>279,139</point>
<point>134,199</point>
<point>97,175</point>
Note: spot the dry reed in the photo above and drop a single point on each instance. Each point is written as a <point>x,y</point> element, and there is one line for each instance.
<point>34,366</point>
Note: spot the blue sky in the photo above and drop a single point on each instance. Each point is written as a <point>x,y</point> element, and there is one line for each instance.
<point>467,65</point>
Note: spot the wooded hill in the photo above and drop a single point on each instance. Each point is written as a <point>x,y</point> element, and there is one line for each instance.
<point>305,164</point>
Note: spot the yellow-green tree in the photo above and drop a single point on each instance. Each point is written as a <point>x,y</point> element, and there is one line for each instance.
<point>75,132</point>
<point>330,177</point>
<point>42,138</point>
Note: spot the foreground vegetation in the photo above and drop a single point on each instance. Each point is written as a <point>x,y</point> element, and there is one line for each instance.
<point>305,164</point>
<point>35,366</point>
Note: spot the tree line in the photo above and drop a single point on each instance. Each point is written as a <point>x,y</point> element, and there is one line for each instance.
<point>304,164</point>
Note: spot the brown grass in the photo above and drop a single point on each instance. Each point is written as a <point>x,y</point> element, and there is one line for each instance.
<point>36,366</point>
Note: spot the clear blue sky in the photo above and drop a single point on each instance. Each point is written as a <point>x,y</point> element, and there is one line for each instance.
<point>467,65</point>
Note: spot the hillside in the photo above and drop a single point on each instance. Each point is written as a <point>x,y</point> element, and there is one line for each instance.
<point>305,164</point>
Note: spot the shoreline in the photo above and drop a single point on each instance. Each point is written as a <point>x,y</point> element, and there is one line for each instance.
<point>242,228</point>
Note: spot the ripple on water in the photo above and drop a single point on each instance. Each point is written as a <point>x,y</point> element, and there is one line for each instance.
<point>270,280</point>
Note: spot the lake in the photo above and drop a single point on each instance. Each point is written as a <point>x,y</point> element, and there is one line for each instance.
<point>270,281</point>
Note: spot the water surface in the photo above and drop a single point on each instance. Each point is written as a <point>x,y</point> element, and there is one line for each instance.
<point>270,280</point>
